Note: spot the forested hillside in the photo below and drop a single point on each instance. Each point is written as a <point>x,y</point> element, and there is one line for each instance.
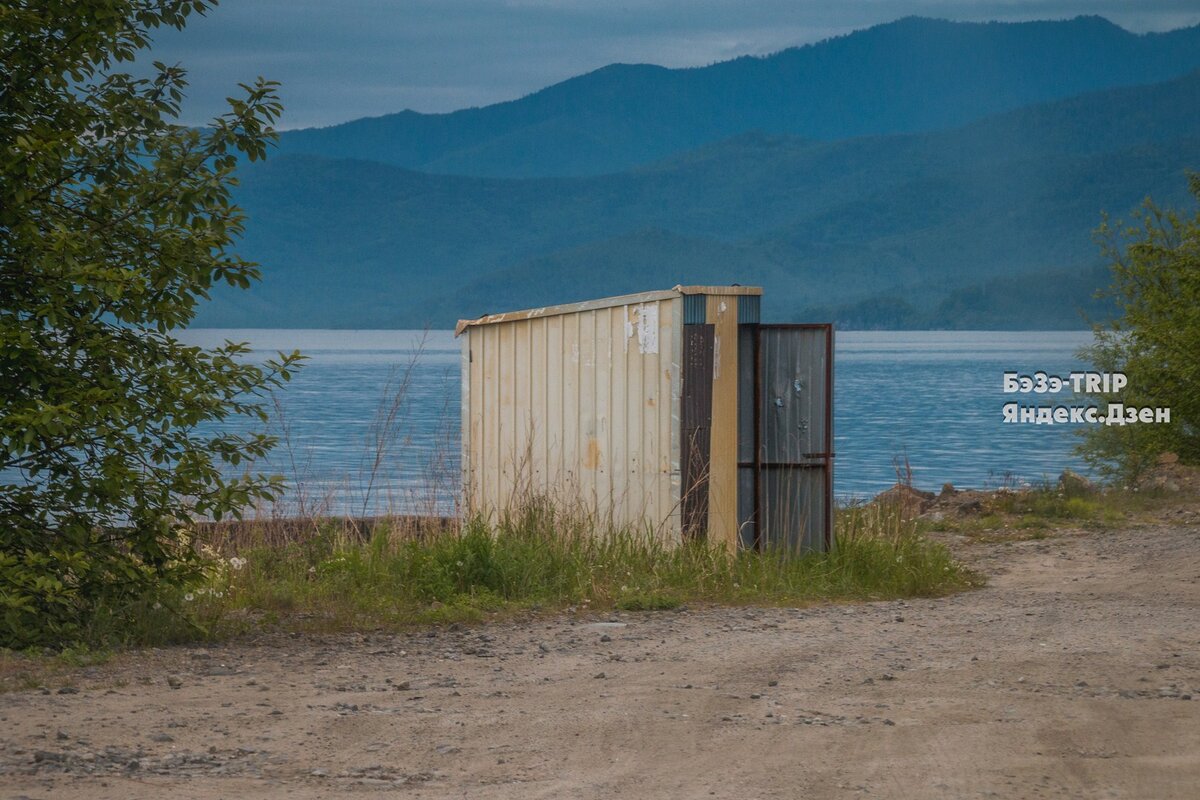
<point>828,224</point>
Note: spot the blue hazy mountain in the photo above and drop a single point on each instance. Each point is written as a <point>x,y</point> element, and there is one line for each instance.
<point>943,227</point>
<point>907,76</point>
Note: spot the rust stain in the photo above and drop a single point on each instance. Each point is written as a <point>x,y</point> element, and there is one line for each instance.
<point>592,459</point>
<point>650,402</point>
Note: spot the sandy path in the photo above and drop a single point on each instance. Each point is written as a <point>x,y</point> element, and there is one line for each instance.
<point>1070,675</point>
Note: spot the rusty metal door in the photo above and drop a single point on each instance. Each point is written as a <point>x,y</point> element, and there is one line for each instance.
<point>698,348</point>
<point>793,430</point>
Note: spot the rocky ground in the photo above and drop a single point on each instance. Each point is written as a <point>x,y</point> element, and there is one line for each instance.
<point>1074,673</point>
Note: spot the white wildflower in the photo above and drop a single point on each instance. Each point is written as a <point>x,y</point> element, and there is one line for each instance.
<point>237,563</point>
<point>189,597</point>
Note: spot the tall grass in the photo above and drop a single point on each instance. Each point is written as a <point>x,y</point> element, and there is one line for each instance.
<point>542,557</point>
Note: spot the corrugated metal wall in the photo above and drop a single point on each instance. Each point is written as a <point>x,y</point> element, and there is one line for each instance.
<point>582,407</point>
<point>795,414</point>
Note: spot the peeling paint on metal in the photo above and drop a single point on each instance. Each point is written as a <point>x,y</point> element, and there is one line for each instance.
<point>716,357</point>
<point>647,328</point>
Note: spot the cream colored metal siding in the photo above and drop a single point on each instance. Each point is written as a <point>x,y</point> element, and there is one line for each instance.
<point>581,407</point>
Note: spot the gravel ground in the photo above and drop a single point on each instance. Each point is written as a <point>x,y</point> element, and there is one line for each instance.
<point>1074,673</point>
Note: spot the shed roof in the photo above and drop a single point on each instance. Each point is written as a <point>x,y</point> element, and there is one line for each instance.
<point>603,302</point>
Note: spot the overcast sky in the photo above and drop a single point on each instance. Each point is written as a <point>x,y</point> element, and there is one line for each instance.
<point>344,59</point>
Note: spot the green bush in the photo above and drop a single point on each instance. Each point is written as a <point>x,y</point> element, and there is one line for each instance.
<point>115,222</point>
<point>1155,341</point>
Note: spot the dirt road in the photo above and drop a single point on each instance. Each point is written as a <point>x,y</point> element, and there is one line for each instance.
<point>1074,673</point>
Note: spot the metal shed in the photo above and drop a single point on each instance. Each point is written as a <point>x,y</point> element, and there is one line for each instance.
<point>675,410</point>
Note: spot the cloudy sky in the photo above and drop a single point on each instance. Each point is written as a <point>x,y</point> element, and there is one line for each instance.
<point>344,59</point>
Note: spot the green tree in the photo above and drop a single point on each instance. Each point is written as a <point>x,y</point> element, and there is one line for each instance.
<point>1155,340</point>
<point>115,221</point>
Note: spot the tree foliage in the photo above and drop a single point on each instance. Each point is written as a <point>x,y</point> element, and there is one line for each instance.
<point>1155,340</point>
<point>115,222</point>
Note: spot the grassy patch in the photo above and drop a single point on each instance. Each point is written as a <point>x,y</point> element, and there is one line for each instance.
<point>331,578</point>
<point>36,668</point>
<point>1037,512</point>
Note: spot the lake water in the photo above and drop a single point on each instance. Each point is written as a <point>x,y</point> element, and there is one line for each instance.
<point>934,397</point>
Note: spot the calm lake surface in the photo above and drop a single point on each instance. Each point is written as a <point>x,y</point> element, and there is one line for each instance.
<point>934,397</point>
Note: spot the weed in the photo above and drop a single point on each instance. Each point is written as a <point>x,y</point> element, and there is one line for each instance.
<point>540,555</point>
<point>331,577</point>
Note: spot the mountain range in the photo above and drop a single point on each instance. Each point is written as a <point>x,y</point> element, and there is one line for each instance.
<point>917,174</point>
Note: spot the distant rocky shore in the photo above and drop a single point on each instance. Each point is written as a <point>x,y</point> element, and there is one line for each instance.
<point>1167,475</point>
